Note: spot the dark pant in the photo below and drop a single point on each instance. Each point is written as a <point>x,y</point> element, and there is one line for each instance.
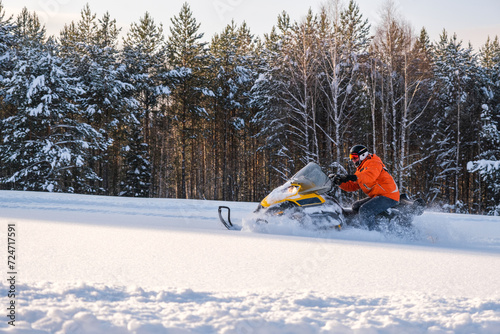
<point>369,208</point>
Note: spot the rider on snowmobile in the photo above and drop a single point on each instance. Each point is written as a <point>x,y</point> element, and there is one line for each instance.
<point>372,177</point>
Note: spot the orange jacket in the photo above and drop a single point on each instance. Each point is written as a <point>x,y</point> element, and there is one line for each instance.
<point>373,179</point>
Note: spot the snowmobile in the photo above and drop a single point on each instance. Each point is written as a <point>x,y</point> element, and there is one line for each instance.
<point>308,198</point>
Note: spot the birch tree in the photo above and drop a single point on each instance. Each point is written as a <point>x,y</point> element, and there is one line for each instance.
<point>405,82</point>
<point>344,46</point>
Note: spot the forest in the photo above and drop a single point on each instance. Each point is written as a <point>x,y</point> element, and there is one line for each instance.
<point>169,113</point>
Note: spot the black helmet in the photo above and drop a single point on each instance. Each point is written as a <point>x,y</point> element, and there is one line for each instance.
<point>358,153</point>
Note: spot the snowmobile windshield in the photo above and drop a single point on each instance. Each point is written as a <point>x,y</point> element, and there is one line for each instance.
<point>312,179</point>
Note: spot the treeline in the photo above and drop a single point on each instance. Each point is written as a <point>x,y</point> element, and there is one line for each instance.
<point>156,115</point>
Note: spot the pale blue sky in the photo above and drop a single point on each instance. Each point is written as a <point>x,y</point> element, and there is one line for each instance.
<point>472,20</point>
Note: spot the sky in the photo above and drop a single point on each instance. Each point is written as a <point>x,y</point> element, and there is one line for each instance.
<point>472,21</point>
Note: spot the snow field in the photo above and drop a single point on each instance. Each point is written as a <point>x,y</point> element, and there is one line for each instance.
<point>116,265</point>
<point>102,309</point>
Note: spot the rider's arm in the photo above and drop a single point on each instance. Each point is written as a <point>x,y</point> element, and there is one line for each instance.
<point>349,186</point>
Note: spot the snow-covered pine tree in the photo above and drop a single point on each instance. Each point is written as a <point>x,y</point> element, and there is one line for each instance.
<point>231,77</point>
<point>45,144</point>
<point>106,98</point>
<point>7,41</point>
<point>187,60</point>
<point>487,164</point>
<point>250,160</point>
<point>144,57</point>
<point>459,100</point>
<point>272,117</point>
<point>137,179</point>
<point>6,36</point>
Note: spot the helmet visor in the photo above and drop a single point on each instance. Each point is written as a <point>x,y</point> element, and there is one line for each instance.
<point>354,157</point>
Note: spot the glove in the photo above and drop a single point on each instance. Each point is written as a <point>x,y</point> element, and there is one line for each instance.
<point>338,179</point>
<point>335,178</point>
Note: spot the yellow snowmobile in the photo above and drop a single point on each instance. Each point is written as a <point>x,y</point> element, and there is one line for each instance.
<point>305,197</point>
<point>306,189</point>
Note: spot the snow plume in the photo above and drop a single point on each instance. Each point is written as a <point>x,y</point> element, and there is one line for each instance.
<point>282,192</point>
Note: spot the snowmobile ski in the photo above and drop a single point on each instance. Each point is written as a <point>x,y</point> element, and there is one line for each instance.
<point>227,222</point>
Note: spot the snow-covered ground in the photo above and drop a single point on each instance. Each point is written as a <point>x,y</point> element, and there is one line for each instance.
<point>88,264</point>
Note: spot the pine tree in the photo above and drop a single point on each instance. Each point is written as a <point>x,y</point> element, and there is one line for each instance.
<point>490,61</point>
<point>45,145</point>
<point>460,100</point>
<point>143,55</point>
<point>7,37</point>
<point>232,76</point>
<point>137,180</point>
<point>187,60</point>
<point>106,98</point>
<point>7,43</point>
<point>487,163</point>
<point>29,30</point>
<point>271,117</point>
